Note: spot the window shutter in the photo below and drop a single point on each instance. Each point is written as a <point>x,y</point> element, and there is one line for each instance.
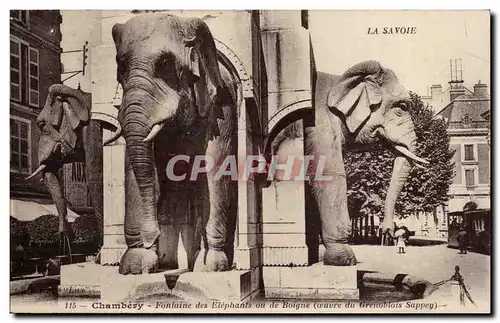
<point>483,163</point>
<point>24,73</point>
<point>33,77</point>
<point>469,178</point>
<point>458,164</point>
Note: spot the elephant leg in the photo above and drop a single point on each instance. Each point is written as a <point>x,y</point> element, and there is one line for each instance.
<point>190,242</point>
<point>335,223</point>
<point>222,217</point>
<point>137,259</point>
<point>168,245</point>
<point>216,258</point>
<point>329,188</point>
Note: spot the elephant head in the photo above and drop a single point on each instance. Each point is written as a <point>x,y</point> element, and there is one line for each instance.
<point>373,104</point>
<point>170,76</point>
<point>62,121</point>
<point>361,106</point>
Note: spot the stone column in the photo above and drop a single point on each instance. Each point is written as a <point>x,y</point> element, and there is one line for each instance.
<point>104,86</point>
<point>246,255</point>
<point>286,48</point>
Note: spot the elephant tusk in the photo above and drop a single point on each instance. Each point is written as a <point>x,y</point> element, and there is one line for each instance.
<point>410,155</point>
<point>420,166</point>
<point>113,137</point>
<point>36,172</point>
<point>154,132</point>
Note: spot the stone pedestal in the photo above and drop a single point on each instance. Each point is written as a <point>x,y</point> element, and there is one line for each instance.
<point>284,238</point>
<point>81,280</point>
<point>235,286</point>
<point>104,282</point>
<point>314,282</point>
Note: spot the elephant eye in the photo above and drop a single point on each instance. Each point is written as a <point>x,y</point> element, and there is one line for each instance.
<point>398,111</point>
<point>165,68</point>
<point>44,129</point>
<point>403,106</point>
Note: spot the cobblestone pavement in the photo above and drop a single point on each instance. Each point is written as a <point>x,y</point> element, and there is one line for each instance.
<point>432,263</point>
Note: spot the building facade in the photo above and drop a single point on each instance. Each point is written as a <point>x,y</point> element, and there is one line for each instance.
<point>469,138</point>
<point>466,113</point>
<point>35,64</point>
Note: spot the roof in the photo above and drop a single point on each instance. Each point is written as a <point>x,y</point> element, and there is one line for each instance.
<point>471,105</point>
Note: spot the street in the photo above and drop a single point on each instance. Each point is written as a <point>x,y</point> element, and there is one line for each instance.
<point>432,263</point>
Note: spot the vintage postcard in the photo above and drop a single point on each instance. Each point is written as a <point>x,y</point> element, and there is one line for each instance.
<point>250,161</point>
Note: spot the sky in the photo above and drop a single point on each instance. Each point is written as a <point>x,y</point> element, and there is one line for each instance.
<point>340,40</point>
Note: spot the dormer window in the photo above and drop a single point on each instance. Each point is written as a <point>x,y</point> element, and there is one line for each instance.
<point>466,119</point>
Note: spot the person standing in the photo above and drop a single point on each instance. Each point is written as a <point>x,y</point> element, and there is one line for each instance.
<point>401,244</point>
<point>463,240</point>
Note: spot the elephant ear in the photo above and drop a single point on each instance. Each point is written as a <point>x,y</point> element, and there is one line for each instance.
<point>52,111</point>
<point>208,84</point>
<point>357,93</point>
<point>117,32</point>
<point>68,126</point>
<point>76,112</point>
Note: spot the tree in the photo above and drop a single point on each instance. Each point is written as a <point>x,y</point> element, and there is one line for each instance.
<point>18,232</point>
<point>369,172</point>
<point>43,230</point>
<point>86,229</point>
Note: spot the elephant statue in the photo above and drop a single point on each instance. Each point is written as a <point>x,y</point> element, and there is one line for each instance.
<point>365,104</point>
<point>68,134</point>
<point>178,99</point>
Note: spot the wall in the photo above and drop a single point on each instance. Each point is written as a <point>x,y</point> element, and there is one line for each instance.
<point>37,33</point>
<point>459,193</point>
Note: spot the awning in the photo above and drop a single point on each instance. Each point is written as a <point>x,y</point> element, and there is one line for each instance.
<point>30,209</point>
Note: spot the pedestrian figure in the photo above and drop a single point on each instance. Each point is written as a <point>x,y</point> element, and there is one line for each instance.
<point>463,240</point>
<point>401,243</point>
<point>401,240</point>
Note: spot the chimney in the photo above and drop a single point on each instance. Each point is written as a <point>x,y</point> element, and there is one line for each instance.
<point>436,90</point>
<point>481,89</point>
<point>456,89</point>
<point>456,83</point>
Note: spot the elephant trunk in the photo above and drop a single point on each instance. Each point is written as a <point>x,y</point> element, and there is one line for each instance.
<point>53,183</point>
<point>400,173</point>
<point>140,155</point>
<point>405,146</point>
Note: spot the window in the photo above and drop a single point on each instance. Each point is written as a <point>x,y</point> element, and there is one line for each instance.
<point>469,152</point>
<point>20,15</point>
<point>20,145</point>
<point>33,77</point>
<point>469,178</point>
<point>24,73</point>
<point>15,70</point>
<point>466,119</point>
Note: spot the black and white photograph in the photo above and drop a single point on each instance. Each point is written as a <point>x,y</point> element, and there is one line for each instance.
<point>250,161</point>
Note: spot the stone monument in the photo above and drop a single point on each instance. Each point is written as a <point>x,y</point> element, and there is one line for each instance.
<point>270,52</point>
